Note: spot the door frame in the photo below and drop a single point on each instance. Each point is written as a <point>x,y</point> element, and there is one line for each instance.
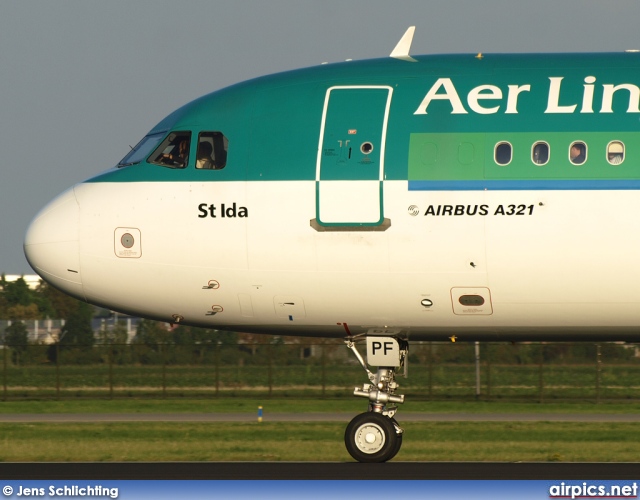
<point>382,223</point>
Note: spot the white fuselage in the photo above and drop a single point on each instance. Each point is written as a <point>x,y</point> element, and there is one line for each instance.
<point>561,265</point>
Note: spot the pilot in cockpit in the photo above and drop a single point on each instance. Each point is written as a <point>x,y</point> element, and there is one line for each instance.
<point>205,149</point>
<point>178,155</point>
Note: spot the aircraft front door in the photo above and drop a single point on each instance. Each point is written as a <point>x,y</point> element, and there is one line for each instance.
<point>350,164</point>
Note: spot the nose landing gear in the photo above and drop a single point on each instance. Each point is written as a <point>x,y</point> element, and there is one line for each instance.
<point>375,436</point>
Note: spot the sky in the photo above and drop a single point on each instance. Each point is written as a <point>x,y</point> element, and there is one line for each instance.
<point>82,80</point>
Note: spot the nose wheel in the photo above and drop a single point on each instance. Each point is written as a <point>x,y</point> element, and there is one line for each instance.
<point>373,437</point>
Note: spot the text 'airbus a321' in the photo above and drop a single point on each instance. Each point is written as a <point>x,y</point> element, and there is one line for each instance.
<point>470,197</point>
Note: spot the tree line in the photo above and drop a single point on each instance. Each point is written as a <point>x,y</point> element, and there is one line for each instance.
<point>19,303</point>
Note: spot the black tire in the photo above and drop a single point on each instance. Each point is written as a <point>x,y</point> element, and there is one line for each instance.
<point>398,439</point>
<point>371,437</point>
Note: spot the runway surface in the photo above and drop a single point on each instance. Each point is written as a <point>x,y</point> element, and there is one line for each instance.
<point>320,471</point>
<point>317,470</point>
<point>314,417</point>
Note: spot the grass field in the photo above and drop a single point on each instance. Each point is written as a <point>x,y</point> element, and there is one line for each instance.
<point>272,441</point>
<point>445,441</point>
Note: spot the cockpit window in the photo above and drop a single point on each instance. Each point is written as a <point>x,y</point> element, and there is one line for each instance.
<point>174,151</point>
<point>212,151</point>
<point>142,149</point>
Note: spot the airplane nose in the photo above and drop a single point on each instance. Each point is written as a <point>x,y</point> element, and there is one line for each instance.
<point>51,244</point>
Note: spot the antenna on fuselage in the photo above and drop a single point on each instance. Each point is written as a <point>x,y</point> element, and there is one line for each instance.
<point>404,45</point>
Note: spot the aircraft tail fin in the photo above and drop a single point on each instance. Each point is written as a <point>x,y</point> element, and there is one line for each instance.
<point>401,50</point>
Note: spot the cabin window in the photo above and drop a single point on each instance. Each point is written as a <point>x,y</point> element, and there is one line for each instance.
<point>142,149</point>
<point>502,153</point>
<point>578,153</point>
<point>615,152</point>
<point>174,151</point>
<point>212,151</point>
<point>540,153</point>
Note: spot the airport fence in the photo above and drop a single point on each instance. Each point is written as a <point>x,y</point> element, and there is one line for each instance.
<point>535,372</point>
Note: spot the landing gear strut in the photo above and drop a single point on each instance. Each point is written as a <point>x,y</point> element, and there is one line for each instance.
<point>375,436</point>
